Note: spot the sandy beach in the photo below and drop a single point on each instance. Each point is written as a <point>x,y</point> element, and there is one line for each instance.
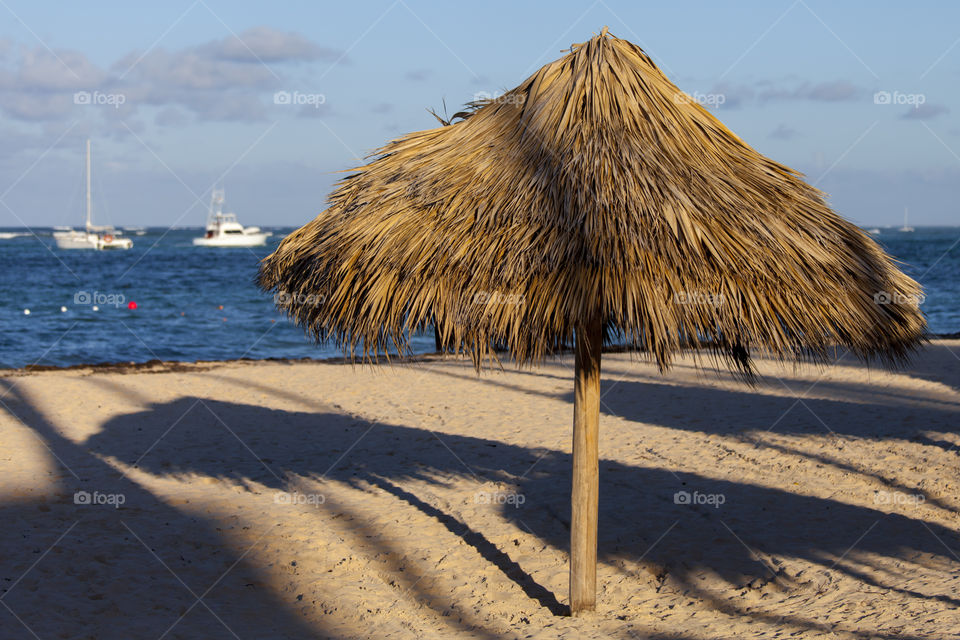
<point>319,499</point>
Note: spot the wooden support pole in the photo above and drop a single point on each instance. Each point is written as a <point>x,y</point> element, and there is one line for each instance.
<point>584,497</point>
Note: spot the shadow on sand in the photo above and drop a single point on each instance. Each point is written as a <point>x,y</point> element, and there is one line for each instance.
<point>105,592</point>
<point>740,541</point>
<point>116,573</point>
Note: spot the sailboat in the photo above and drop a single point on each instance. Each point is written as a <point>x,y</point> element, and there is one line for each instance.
<point>906,228</point>
<point>91,237</point>
<point>223,229</point>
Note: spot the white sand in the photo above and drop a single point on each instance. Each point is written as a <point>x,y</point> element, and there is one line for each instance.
<point>305,500</point>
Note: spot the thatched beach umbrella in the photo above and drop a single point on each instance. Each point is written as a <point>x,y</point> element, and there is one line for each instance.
<point>594,200</point>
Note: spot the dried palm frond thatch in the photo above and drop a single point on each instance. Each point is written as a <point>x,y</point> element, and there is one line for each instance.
<point>595,187</point>
<point>594,198</point>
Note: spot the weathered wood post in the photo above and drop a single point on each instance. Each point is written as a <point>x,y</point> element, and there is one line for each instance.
<point>584,497</point>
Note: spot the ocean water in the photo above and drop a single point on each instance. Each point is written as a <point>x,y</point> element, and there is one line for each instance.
<point>201,304</point>
<point>178,290</point>
<point>931,256</point>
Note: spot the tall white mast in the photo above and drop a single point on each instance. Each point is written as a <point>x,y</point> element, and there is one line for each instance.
<point>88,185</point>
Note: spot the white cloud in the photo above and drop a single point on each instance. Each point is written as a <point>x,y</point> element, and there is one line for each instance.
<point>40,69</point>
<point>38,85</point>
<point>264,44</point>
<point>32,106</point>
<point>835,91</point>
<point>925,112</point>
<point>788,89</point>
<point>226,79</point>
<point>417,75</point>
<point>783,132</point>
<point>191,69</point>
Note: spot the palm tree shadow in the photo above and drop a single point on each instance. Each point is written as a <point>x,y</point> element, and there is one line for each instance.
<point>739,540</point>
<point>749,416</point>
<point>489,551</point>
<point>726,412</point>
<point>940,363</point>
<point>131,566</point>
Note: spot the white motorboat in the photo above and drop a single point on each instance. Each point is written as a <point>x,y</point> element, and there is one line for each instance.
<point>91,237</point>
<point>223,229</point>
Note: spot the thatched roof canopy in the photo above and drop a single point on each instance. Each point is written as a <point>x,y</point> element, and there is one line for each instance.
<point>594,187</point>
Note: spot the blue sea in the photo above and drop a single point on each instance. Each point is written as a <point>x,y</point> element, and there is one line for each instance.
<point>201,304</point>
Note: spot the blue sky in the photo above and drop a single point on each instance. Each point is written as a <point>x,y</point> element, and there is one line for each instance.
<point>797,79</point>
